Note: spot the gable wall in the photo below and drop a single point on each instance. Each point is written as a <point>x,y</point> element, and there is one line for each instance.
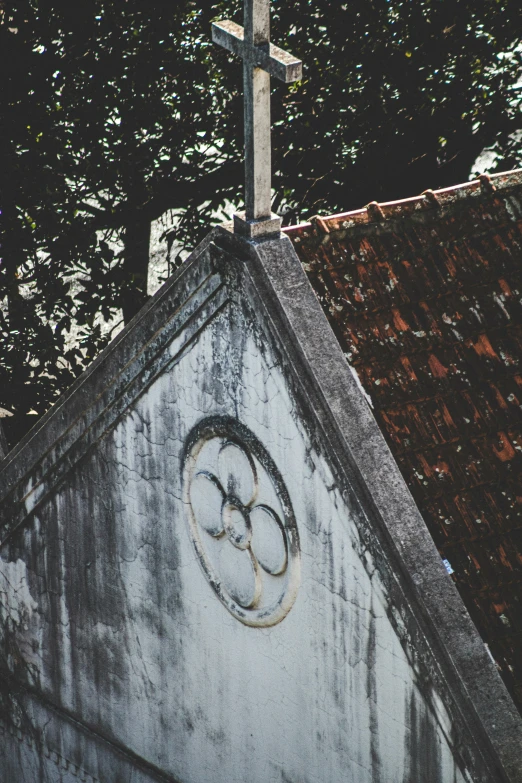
<point>111,617</point>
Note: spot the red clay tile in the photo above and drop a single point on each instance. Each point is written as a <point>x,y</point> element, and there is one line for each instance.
<point>425,298</point>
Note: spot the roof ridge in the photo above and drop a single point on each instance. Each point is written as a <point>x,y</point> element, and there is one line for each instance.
<point>376,212</point>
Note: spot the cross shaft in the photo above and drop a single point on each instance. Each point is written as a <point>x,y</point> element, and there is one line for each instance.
<point>261,59</point>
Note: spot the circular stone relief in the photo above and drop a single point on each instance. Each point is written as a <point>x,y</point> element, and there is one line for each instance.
<point>241,522</point>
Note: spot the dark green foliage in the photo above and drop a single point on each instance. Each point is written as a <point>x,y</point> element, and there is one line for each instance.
<point>398,97</point>
<point>114,112</point>
<point>108,121</point>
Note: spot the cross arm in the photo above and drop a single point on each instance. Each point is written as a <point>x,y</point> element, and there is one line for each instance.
<point>229,35</point>
<point>275,61</point>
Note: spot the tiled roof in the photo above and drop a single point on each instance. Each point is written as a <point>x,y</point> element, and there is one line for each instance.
<point>425,297</point>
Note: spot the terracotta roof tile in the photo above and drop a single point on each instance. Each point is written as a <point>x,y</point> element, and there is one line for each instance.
<point>425,297</point>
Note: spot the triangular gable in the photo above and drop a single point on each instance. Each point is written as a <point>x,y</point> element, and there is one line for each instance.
<point>135,645</point>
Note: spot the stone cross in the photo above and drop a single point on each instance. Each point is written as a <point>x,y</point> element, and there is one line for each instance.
<point>261,59</point>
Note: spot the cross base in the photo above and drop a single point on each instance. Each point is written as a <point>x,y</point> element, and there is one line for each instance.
<point>256,229</point>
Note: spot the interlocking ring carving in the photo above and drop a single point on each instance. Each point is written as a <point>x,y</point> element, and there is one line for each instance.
<point>241,521</point>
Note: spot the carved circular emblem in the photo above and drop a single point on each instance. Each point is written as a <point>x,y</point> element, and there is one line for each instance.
<point>241,522</point>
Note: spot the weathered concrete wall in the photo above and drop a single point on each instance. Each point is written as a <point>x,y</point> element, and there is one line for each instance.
<point>193,599</point>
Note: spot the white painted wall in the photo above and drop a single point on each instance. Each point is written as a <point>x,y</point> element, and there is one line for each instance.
<point>144,648</point>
